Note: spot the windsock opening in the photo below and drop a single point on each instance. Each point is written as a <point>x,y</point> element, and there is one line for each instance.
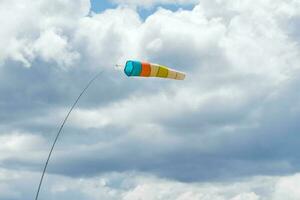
<point>128,68</point>
<point>133,68</point>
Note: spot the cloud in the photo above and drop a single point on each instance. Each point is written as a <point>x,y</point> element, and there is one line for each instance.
<point>51,46</point>
<point>23,148</point>
<point>109,37</point>
<point>235,117</point>
<point>285,188</point>
<point>226,106</point>
<point>22,38</point>
<point>144,186</point>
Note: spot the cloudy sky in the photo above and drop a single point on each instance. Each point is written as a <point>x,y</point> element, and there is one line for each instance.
<point>230,131</point>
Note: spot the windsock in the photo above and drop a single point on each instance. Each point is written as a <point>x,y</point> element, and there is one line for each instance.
<point>145,69</point>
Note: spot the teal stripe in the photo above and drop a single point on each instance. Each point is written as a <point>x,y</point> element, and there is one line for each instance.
<point>137,68</point>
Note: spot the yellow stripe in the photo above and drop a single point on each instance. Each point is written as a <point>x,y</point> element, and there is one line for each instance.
<point>165,72</point>
<point>162,72</point>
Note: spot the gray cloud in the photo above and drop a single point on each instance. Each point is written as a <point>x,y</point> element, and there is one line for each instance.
<point>235,116</point>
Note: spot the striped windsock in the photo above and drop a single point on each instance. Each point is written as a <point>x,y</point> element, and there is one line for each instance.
<point>144,69</point>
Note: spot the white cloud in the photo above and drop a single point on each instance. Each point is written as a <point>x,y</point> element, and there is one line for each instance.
<point>109,37</point>
<point>133,186</point>
<point>22,26</point>
<point>20,146</point>
<point>287,188</point>
<point>235,59</point>
<point>240,61</point>
<point>50,46</point>
<point>246,196</point>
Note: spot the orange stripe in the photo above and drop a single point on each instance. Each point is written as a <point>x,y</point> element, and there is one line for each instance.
<point>146,69</point>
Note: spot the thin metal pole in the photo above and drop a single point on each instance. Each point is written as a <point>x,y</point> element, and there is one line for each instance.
<point>59,132</point>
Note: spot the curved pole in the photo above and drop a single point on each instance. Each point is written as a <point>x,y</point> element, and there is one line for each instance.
<point>59,132</point>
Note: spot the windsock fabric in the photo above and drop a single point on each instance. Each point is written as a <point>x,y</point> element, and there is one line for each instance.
<point>144,69</point>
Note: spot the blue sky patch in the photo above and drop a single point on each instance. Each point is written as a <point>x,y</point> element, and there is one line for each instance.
<point>98,6</point>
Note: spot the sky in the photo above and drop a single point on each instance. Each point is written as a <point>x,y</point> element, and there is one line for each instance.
<point>230,131</point>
